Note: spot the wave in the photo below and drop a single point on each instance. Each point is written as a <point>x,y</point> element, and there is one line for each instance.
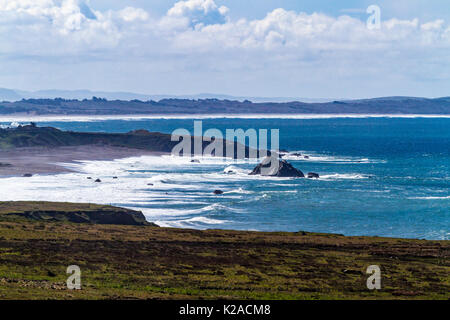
<point>11,125</point>
<point>219,207</point>
<point>90,118</point>
<point>239,191</point>
<point>338,176</point>
<point>431,198</point>
<point>198,222</point>
<point>235,170</point>
<point>313,157</point>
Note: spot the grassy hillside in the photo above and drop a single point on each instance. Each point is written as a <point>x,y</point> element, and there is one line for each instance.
<point>141,262</point>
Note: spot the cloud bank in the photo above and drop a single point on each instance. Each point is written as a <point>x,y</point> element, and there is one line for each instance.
<point>199,35</point>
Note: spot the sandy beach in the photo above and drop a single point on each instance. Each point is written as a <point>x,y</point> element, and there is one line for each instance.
<point>38,160</point>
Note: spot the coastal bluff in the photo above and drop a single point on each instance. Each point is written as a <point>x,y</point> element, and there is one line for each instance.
<point>72,212</point>
<point>32,136</point>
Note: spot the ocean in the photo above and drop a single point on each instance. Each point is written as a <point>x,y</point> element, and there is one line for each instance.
<point>379,176</point>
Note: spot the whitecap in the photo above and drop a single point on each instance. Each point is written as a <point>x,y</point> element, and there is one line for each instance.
<point>338,176</point>
<point>431,198</point>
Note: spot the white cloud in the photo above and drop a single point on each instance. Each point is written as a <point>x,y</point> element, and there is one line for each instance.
<point>130,14</point>
<point>200,33</point>
<point>202,25</point>
<point>198,12</point>
<point>52,27</point>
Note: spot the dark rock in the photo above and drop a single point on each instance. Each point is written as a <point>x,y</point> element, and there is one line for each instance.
<point>27,175</point>
<point>218,192</point>
<point>350,271</point>
<point>106,215</point>
<point>5,164</point>
<point>98,180</point>
<point>284,169</point>
<point>51,274</point>
<point>140,132</point>
<point>313,175</point>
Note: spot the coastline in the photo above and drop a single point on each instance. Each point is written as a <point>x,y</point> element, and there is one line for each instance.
<point>82,118</point>
<point>182,193</point>
<point>41,160</point>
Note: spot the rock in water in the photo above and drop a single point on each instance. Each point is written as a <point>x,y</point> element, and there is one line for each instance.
<point>98,180</point>
<point>218,192</point>
<point>27,175</point>
<point>284,169</point>
<point>313,175</point>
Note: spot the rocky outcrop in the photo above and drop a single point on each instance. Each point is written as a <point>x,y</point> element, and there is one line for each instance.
<point>269,168</point>
<point>76,213</point>
<point>313,175</point>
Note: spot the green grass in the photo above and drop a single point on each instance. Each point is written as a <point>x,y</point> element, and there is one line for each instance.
<point>143,262</point>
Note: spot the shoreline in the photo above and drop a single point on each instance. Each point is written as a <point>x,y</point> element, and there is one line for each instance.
<point>305,116</point>
<point>42,160</point>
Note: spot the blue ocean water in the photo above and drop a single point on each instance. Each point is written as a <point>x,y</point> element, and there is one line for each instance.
<point>379,177</point>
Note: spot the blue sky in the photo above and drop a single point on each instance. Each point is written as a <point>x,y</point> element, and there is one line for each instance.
<point>256,9</point>
<point>287,48</point>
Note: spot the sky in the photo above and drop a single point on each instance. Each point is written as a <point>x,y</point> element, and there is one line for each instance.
<point>255,48</point>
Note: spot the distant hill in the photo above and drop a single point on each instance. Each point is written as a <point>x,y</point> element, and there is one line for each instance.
<point>12,95</point>
<point>9,95</point>
<point>102,106</point>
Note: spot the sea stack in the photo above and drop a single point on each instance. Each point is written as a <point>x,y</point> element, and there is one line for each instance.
<point>269,168</point>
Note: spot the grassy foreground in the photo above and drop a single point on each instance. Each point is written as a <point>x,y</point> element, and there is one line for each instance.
<point>148,262</point>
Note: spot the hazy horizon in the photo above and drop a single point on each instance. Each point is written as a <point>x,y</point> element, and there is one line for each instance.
<point>126,95</point>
